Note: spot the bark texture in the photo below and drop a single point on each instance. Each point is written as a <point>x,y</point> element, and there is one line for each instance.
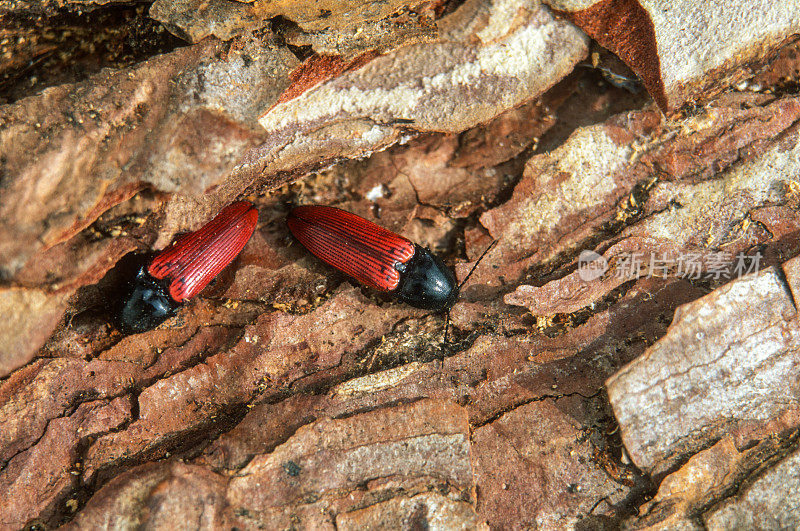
<point>626,354</point>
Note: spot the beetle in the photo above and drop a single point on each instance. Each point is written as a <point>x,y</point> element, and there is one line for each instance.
<point>188,265</point>
<point>375,256</point>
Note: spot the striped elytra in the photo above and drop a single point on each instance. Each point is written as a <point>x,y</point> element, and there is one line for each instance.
<point>195,259</point>
<point>360,248</point>
<point>188,265</point>
<point>374,256</point>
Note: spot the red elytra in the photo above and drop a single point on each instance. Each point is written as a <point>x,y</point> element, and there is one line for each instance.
<point>365,251</point>
<point>194,259</point>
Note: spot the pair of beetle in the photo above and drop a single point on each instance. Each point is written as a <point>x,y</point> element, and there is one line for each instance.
<point>367,252</point>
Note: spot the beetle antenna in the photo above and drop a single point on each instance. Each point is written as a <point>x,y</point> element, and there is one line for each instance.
<point>447,320</point>
<point>446,330</point>
<point>476,264</point>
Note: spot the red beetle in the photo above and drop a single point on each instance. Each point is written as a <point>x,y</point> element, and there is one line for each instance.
<point>183,269</point>
<point>375,256</point>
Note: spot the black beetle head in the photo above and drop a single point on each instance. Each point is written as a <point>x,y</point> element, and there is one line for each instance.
<point>427,282</point>
<point>147,306</point>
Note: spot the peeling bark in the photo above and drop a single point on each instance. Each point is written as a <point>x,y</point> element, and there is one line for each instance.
<point>607,363</point>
